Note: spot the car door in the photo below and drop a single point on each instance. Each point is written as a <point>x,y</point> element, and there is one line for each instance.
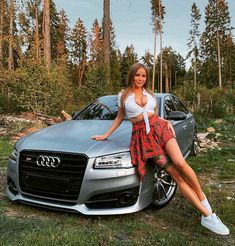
<point>188,124</point>
<point>179,125</point>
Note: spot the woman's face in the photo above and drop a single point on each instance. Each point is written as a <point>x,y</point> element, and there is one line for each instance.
<point>140,78</point>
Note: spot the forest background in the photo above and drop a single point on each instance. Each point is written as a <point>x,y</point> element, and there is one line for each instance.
<point>46,66</point>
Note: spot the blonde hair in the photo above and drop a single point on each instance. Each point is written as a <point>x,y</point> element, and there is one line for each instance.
<point>130,79</point>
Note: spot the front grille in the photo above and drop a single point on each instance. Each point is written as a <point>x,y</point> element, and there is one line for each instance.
<point>59,183</point>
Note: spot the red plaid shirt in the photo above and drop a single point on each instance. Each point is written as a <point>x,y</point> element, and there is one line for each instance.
<point>145,146</point>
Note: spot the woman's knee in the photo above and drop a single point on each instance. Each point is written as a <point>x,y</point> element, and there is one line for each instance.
<point>180,164</point>
<point>175,174</point>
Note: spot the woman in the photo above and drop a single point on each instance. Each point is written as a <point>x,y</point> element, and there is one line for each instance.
<point>153,137</point>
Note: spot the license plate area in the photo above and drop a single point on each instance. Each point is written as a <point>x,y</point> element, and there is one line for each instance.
<point>42,183</point>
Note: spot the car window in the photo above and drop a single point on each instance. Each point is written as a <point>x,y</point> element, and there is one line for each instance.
<point>169,106</point>
<point>100,110</point>
<point>104,108</point>
<point>179,106</point>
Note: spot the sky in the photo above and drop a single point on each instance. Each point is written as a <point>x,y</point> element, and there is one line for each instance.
<point>132,21</point>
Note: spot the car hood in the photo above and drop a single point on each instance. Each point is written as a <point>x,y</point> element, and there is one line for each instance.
<point>75,137</point>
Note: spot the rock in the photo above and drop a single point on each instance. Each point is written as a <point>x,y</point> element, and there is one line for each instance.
<point>202,135</point>
<point>3,131</point>
<point>210,129</point>
<point>219,121</point>
<point>204,143</point>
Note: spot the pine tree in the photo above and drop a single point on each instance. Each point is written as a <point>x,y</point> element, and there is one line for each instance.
<point>115,62</point>
<point>63,38</point>
<point>29,32</point>
<point>115,70</point>
<point>54,30</point>
<point>147,59</point>
<point>174,68</point>
<point>213,40</point>
<point>229,61</point>
<point>79,48</point>
<point>194,37</point>
<point>129,57</point>
<point>96,43</point>
<point>158,12</point>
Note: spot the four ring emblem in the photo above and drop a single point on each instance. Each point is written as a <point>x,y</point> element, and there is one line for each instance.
<point>48,161</point>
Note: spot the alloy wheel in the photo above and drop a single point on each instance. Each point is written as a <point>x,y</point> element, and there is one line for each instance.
<point>164,188</point>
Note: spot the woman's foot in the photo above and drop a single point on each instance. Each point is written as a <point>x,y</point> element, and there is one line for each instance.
<point>213,223</point>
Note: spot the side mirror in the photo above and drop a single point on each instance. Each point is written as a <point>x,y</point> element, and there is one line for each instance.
<point>176,115</point>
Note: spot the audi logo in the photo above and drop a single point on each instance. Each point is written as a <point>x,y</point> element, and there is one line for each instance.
<point>48,161</point>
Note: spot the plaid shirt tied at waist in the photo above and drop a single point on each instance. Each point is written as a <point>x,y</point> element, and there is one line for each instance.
<point>149,143</point>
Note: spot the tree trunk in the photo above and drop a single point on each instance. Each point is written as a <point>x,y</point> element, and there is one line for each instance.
<point>106,27</point>
<point>154,59</point>
<point>37,34</point>
<point>170,79</point>
<point>160,31</point>
<point>166,79</point>
<point>47,36</point>
<point>10,42</point>
<point>81,70</point>
<point>1,33</point>
<point>219,62</point>
<point>195,68</point>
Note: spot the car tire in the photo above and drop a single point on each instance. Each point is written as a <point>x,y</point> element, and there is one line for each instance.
<point>194,147</point>
<point>164,188</point>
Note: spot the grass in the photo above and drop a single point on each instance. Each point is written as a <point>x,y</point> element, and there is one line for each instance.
<point>5,150</point>
<point>176,224</point>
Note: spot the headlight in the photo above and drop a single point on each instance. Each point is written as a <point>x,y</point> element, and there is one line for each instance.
<point>14,154</point>
<point>121,160</point>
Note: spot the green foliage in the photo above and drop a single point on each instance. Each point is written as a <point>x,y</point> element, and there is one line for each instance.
<point>38,90</point>
<point>129,57</point>
<point>7,105</point>
<point>214,44</point>
<point>96,85</point>
<point>158,13</point>
<point>5,150</point>
<point>115,71</point>
<point>78,42</point>
<point>215,102</point>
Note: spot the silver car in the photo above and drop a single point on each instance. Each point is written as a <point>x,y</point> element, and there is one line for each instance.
<point>61,167</point>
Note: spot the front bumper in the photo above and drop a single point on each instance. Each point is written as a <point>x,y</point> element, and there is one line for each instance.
<point>103,192</point>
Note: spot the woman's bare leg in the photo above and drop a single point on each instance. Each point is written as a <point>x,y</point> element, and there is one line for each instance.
<point>187,192</point>
<point>173,151</point>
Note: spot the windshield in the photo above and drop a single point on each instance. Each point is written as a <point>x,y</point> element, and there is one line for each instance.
<point>104,108</point>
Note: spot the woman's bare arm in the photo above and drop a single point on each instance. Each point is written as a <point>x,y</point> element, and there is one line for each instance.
<point>116,123</point>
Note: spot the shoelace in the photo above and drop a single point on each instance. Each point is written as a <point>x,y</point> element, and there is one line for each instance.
<point>216,218</point>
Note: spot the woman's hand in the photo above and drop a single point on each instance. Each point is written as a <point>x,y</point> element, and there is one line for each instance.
<point>169,126</point>
<point>99,137</point>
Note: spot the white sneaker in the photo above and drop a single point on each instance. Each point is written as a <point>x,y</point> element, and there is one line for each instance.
<point>207,205</point>
<point>213,223</point>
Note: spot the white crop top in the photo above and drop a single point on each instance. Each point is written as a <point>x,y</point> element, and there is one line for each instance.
<point>132,109</point>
